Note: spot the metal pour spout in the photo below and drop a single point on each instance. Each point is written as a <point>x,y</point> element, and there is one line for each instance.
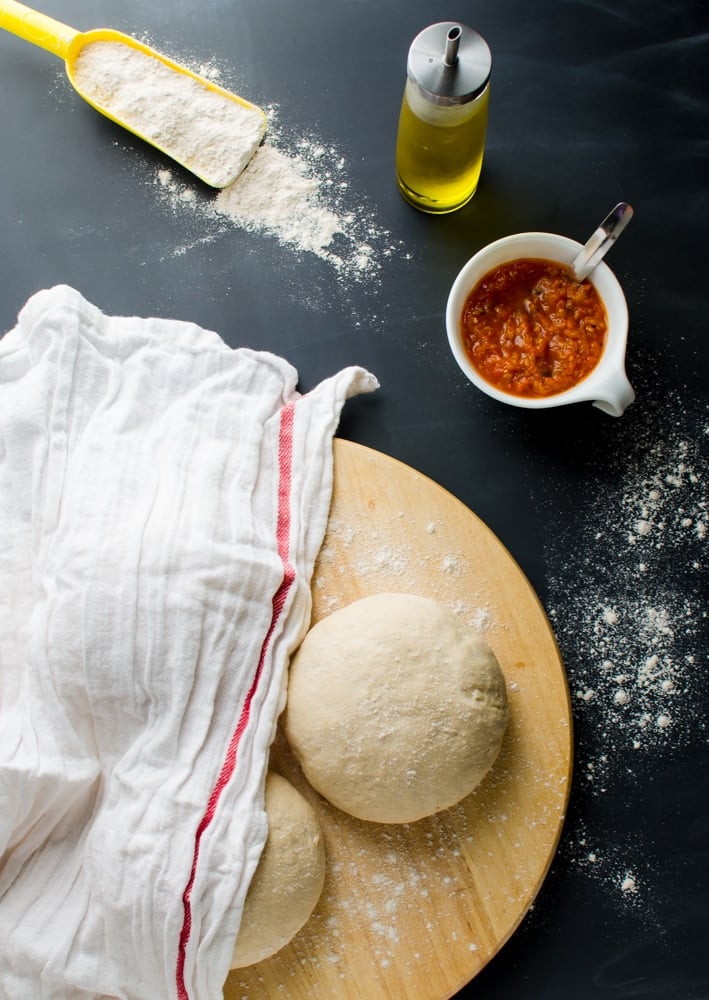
<point>450,56</point>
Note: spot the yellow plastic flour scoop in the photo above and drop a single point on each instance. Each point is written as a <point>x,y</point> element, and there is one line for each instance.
<point>206,129</point>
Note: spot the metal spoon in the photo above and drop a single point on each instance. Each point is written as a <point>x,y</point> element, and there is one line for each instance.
<point>602,240</point>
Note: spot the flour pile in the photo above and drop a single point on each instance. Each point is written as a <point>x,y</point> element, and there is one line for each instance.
<point>295,190</point>
<point>278,194</point>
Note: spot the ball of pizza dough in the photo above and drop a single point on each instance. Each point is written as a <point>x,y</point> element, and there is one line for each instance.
<point>289,877</point>
<point>396,708</point>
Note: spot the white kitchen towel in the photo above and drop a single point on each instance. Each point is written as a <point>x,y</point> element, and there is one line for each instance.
<point>162,502</point>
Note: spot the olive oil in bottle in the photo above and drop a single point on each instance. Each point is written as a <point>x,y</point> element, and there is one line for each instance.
<point>443,120</point>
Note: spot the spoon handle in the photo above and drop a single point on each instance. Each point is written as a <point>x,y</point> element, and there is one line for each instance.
<point>36,27</point>
<point>602,240</point>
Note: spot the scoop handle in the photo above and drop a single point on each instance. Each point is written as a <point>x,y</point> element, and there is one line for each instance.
<point>36,27</point>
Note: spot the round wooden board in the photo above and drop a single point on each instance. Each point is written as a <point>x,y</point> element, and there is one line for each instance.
<point>417,910</point>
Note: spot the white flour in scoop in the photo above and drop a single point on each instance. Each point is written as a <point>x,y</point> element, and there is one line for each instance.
<point>209,133</point>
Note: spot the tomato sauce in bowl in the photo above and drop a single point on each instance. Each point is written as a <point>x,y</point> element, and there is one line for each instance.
<point>531,330</point>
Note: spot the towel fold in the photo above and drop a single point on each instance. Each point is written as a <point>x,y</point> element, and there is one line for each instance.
<point>163,498</point>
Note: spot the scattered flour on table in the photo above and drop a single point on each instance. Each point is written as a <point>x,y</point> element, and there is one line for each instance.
<point>622,870</point>
<point>634,625</point>
<point>630,614</point>
<point>296,190</point>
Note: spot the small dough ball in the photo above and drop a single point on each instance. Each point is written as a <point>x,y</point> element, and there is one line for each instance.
<point>396,708</point>
<point>289,877</point>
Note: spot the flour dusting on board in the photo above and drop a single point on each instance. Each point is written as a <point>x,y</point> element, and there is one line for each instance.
<point>379,561</point>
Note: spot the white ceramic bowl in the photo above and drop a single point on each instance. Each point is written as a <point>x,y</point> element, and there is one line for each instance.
<point>607,385</point>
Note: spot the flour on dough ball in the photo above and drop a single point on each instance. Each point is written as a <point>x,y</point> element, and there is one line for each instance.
<point>396,708</point>
<point>289,877</point>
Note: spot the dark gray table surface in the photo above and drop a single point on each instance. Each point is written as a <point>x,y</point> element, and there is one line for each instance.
<point>592,103</point>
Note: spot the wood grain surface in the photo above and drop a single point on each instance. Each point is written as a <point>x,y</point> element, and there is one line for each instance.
<point>416,910</point>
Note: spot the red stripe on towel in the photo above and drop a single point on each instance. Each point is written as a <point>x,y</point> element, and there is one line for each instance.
<point>283,525</point>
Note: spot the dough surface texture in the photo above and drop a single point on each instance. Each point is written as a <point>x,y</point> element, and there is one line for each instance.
<point>289,877</point>
<point>396,708</point>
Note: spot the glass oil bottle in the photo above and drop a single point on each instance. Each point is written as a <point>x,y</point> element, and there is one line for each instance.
<point>443,119</point>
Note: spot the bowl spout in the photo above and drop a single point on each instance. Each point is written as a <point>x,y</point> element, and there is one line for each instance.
<point>614,394</point>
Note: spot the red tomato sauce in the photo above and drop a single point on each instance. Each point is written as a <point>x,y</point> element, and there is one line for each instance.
<point>531,329</point>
